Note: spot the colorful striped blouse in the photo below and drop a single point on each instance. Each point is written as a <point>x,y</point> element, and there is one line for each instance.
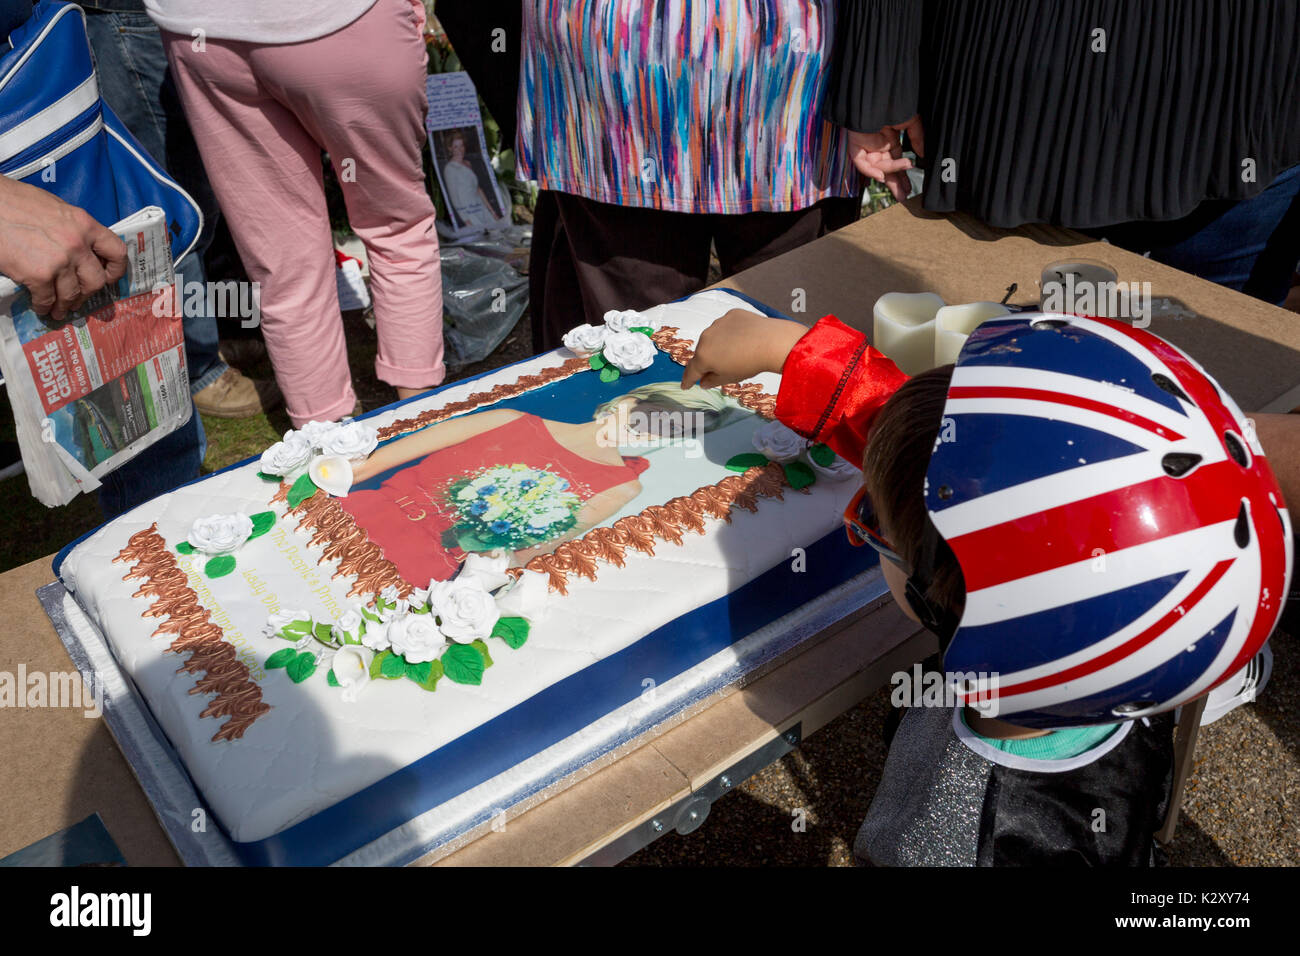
<point>707,106</point>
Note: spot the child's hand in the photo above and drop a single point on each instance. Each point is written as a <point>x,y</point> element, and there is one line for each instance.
<point>741,345</point>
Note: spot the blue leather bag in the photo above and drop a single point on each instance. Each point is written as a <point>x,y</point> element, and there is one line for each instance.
<point>58,134</point>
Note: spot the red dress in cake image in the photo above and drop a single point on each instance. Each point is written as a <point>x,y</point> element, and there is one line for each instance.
<point>508,480</point>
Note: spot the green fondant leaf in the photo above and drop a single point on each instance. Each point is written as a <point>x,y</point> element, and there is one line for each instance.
<point>262,522</point>
<point>512,630</point>
<point>430,682</point>
<point>744,462</point>
<point>350,638</point>
<point>481,646</point>
<point>798,474</point>
<point>265,477</point>
<point>323,633</point>
<point>643,329</point>
<point>301,490</point>
<point>822,455</point>
<point>219,566</point>
<point>370,615</point>
<point>377,664</point>
<point>281,658</point>
<point>463,664</point>
<point>607,374</point>
<point>419,672</point>
<point>597,360</point>
<point>301,667</point>
<point>393,666</point>
<point>296,630</point>
<point>185,548</point>
<point>331,679</point>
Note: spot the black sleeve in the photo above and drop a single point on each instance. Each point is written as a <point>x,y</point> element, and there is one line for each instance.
<point>875,68</point>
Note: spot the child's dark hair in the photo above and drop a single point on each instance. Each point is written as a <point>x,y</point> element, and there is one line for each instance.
<point>898,455</point>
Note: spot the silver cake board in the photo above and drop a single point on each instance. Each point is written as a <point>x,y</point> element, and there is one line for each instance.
<point>199,841</point>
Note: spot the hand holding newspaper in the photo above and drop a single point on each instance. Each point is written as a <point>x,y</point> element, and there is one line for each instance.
<point>92,392</point>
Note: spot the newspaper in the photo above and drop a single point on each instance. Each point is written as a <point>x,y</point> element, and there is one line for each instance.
<point>93,391</point>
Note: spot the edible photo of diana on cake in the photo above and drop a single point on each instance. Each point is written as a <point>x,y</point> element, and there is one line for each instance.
<point>519,477</point>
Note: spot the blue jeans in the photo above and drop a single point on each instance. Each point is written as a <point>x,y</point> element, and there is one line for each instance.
<point>1251,246</point>
<point>135,82</point>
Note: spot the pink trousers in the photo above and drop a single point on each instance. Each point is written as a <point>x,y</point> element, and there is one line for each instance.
<point>261,115</point>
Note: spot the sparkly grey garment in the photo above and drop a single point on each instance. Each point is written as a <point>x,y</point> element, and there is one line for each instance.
<point>926,811</point>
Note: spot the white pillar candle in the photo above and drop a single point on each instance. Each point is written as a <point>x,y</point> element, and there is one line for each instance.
<point>953,324</point>
<point>904,328</point>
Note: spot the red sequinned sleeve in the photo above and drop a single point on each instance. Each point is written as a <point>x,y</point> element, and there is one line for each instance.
<point>832,386</point>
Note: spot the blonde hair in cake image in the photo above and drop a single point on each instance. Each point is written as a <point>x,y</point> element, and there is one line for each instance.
<point>663,410</point>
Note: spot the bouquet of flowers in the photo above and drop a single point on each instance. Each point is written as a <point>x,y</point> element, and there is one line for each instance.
<point>509,507</point>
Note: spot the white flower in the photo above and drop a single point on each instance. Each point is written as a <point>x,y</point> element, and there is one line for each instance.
<point>778,442</point>
<point>348,624</point>
<point>419,597</point>
<point>398,610</point>
<point>527,598</point>
<point>332,474</point>
<point>315,432</point>
<point>416,637</point>
<point>351,668</point>
<point>467,611</point>
<point>628,319</point>
<point>389,594</point>
<point>489,567</point>
<point>376,636</point>
<point>220,534</point>
<point>629,351</point>
<point>624,321</point>
<point>585,338</point>
<point>839,469</point>
<point>286,457</point>
<point>354,441</point>
<point>282,619</point>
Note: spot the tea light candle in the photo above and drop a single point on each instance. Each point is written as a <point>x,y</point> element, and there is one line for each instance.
<point>1062,286</point>
<point>953,324</point>
<point>904,328</point>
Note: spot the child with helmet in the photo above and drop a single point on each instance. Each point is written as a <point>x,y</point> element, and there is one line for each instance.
<point>1075,508</point>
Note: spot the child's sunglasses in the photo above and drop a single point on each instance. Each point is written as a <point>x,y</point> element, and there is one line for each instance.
<point>862,527</point>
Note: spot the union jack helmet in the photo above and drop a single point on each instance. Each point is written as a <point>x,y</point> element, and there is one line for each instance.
<point>1124,543</point>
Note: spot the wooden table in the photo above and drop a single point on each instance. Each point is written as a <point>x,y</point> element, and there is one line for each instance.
<point>60,766</point>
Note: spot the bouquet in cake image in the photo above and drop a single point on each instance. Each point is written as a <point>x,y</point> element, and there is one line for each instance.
<point>507,479</point>
<point>511,507</point>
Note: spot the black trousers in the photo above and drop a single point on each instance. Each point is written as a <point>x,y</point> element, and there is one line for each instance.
<point>589,257</point>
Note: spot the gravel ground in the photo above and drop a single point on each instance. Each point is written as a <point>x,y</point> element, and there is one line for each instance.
<point>1240,806</point>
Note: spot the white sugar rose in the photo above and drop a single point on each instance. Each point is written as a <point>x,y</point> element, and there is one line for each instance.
<point>585,338</point>
<point>419,597</point>
<point>778,442</point>
<point>349,623</point>
<point>838,470</point>
<point>286,457</point>
<point>625,321</point>
<point>220,534</point>
<point>489,567</point>
<point>465,609</point>
<point>282,619</point>
<point>351,667</point>
<point>376,636</point>
<point>315,432</point>
<point>353,441</point>
<point>629,351</point>
<point>416,637</point>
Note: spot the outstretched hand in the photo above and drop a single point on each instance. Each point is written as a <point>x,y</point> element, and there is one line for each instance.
<point>59,252</point>
<point>741,345</point>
